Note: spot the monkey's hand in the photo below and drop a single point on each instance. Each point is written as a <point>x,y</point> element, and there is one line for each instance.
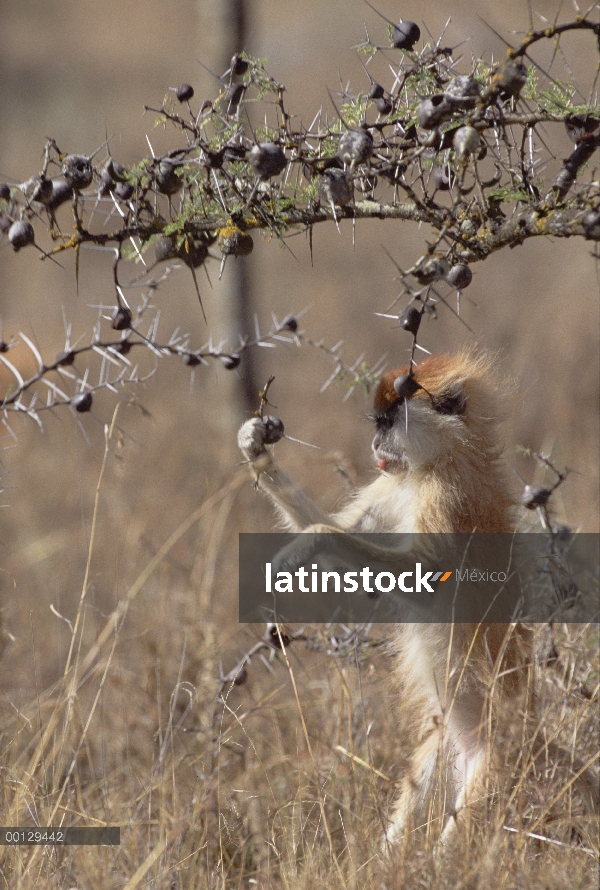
<point>256,434</point>
<point>252,438</point>
<point>324,543</point>
<point>302,549</point>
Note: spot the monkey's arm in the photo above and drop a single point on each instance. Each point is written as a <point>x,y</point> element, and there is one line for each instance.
<point>296,509</point>
<point>299,513</point>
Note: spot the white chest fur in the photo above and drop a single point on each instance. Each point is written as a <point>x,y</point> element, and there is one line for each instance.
<point>387,505</point>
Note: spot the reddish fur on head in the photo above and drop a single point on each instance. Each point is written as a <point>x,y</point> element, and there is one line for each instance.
<point>434,375</point>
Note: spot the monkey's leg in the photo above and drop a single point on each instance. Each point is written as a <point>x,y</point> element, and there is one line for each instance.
<point>470,788</point>
<point>413,807</point>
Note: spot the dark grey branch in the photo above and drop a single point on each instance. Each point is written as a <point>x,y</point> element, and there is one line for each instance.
<point>572,165</point>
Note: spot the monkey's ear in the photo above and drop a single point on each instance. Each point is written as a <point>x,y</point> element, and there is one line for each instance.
<point>453,401</point>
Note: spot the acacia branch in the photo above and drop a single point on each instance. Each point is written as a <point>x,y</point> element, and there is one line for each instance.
<point>580,24</point>
<point>572,165</point>
<point>459,152</point>
<point>560,222</point>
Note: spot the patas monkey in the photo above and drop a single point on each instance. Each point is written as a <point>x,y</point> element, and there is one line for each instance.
<point>437,450</point>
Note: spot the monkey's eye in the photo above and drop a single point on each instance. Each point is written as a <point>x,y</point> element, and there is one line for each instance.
<point>383,420</point>
<point>451,403</point>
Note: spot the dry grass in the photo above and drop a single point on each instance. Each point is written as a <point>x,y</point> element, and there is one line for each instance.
<point>283,781</point>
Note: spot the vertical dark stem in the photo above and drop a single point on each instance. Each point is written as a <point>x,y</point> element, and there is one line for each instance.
<point>228,23</point>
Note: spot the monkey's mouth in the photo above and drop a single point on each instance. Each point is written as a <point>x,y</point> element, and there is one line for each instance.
<point>389,466</point>
<point>389,463</point>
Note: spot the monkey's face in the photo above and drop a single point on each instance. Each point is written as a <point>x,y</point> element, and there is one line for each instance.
<point>420,417</point>
<point>418,430</point>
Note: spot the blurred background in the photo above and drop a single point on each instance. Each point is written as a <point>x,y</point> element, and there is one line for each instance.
<point>77,71</point>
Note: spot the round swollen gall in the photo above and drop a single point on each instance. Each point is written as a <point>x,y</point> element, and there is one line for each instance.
<point>193,253</point>
<point>267,160</point>
<point>274,429</point>
<point>383,106</point>
<point>230,362</point>
<point>184,92</point>
<point>355,147</point>
<point>168,181</point>
<point>116,171</point>
<point>591,225</point>
<point>441,179</point>
<point>464,89</point>
<point>82,402</point>
<point>433,111</point>
<point>238,65</point>
<point>466,141</point>
<point>121,318</point>
<point>78,171</point>
<point>164,248</point>
<point>459,276</point>
<point>509,79</point>
<point>405,35</point>
<point>335,187</point>
<point>234,242</point>
<point>410,319</point>
<point>124,190</point>
<point>21,234</point>
<point>405,386</point>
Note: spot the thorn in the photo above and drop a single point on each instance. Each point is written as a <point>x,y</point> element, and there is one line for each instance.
<point>337,225</point>
<point>77,269</point>
<point>193,271</point>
